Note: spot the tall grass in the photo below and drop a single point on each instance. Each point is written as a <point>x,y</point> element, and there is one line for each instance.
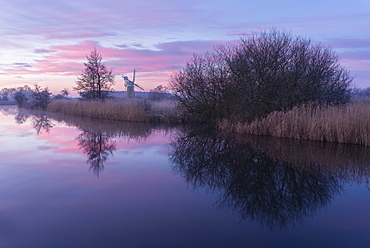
<point>164,111</point>
<point>341,124</point>
<point>138,110</point>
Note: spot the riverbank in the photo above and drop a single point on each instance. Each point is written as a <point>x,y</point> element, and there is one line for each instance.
<point>138,110</point>
<point>348,123</point>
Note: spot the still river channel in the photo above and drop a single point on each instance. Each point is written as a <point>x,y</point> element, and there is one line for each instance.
<point>77,182</point>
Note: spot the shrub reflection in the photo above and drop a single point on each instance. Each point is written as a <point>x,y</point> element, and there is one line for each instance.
<point>274,182</point>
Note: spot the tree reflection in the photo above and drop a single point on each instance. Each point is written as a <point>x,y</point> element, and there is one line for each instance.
<point>97,138</point>
<point>276,191</point>
<point>97,147</point>
<point>40,121</point>
<point>21,117</point>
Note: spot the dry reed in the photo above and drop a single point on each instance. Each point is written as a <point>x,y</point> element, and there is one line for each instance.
<point>340,124</point>
<point>165,110</point>
<point>138,110</point>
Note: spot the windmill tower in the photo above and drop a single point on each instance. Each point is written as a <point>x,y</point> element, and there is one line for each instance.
<point>130,86</point>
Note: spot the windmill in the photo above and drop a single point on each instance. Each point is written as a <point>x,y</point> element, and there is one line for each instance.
<point>130,85</point>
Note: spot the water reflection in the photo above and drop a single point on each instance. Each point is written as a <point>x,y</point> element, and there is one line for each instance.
<point>8,110</point>
<point>21,117</point>
<point>97,138</point>
<point>274,182</point>
<point>97,147</point>
<point>39,120</point>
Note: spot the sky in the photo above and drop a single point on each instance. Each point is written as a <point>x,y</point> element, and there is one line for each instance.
<point>46,42</point>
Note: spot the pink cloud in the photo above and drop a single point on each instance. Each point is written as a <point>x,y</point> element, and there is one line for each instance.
<point>68,59</point>
<point>154,66</point>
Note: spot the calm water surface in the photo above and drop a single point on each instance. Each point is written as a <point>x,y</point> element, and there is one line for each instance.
<point>75,182</point>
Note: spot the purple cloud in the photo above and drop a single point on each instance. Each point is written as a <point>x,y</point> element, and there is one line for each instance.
<point>21,65</point>
<point>122,45</point>
<point>42,51</point>
<point>80,35</point>
<point>353,43</point>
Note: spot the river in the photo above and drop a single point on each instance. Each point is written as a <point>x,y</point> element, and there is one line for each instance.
<point>76,182</point>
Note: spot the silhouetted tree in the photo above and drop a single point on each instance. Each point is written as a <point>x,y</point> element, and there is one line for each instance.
<point>21,98</point>
<point>96,79</point>
<point>40,98</point>
<point>262,73</point>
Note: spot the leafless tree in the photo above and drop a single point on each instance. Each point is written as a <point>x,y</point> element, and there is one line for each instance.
<point>40,98</point>
<point>96,80</point>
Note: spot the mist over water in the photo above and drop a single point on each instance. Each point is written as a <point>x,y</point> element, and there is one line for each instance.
<point>77,182</point>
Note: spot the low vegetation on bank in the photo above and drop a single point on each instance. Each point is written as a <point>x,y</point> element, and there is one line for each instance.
<point>349,123</point>
<point>266,85</point>
<point>139,110</point>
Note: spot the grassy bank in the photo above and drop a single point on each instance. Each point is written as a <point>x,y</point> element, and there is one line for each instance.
<point>349,123</point>
<point>138,110</point>
<point>340,124</point>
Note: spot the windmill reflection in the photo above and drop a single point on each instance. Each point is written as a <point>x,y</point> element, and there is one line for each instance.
<point>272,183</point>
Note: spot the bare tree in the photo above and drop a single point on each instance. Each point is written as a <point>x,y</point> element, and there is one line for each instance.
<point>96,80</point>
<point>264,72</point>
<point>21,99</point>
<point>40,98</point>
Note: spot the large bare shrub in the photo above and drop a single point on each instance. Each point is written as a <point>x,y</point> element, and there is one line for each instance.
<point>262,73</point>
<point>201,87</point>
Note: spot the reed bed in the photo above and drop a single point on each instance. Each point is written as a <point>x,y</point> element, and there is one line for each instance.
<point>138,110</point>
<point>340,124</point>
<point>165,110</point>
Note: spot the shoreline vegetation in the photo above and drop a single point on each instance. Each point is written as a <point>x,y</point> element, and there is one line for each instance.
<point>236,88</point>
<point>348,123</point>
<point>136,110</point>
